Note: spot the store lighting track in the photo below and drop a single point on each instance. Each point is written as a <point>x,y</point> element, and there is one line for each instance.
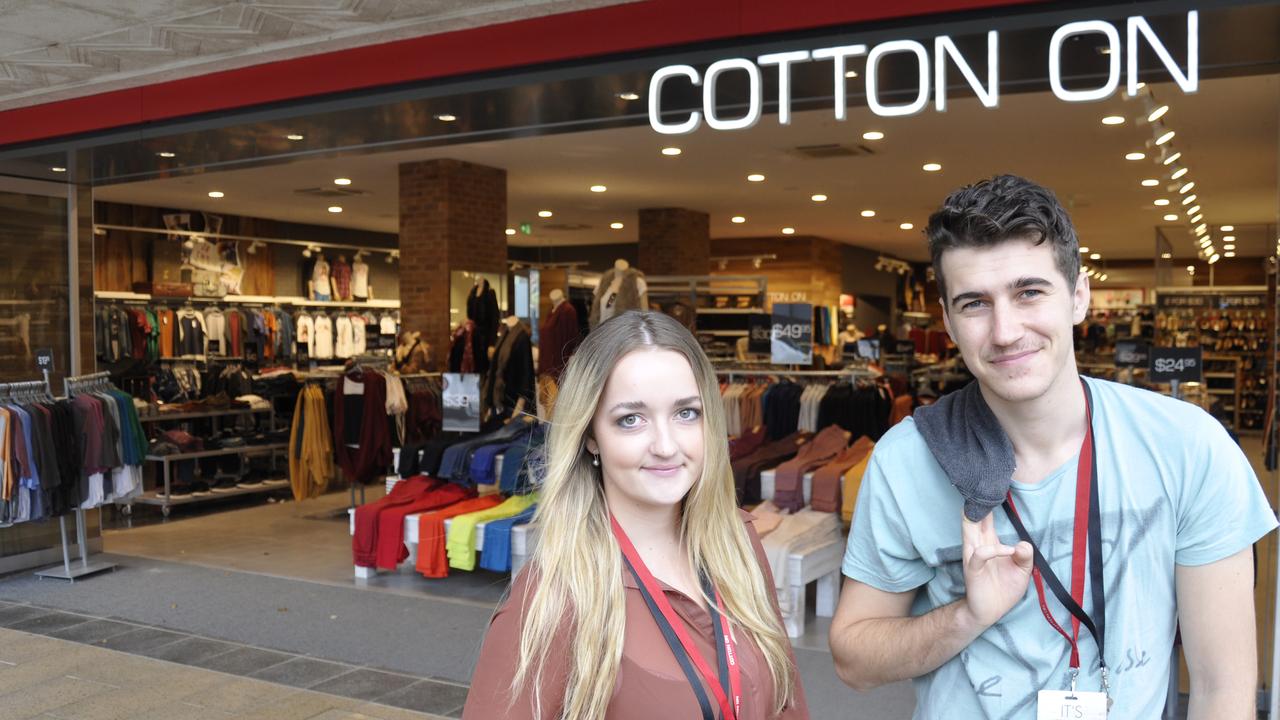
<point>245,238</point>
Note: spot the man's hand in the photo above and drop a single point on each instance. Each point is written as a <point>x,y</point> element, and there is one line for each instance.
<point>995,575</point>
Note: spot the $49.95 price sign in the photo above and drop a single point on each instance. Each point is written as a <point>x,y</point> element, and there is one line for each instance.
<point>1181,364</point>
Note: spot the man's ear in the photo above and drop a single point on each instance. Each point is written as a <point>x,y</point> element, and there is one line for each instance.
<point>1080,299</point>
<point>946,319</point>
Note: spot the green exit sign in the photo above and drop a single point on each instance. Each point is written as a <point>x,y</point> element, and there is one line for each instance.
<point>526,228</point>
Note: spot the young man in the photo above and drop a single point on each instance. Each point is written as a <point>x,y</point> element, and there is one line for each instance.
<point>938,584</point>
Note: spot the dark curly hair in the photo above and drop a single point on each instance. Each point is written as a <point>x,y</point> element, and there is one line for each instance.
<point>1006,207</point>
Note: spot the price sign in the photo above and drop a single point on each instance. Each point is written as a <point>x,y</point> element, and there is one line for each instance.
<point>1132,353</point>
<point>792,335</point>
<point>44,359</point>
<point>1180,364</point>
<point>904,347</point>
<point>760,327</point>
<point>460,400</point>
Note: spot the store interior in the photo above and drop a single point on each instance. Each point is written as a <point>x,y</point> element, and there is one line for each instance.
<point>1173,195</point>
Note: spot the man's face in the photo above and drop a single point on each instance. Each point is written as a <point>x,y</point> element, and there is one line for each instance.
<point>1010,311</point>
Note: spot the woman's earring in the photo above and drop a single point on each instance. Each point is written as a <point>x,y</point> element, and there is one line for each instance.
<point>595,460</point>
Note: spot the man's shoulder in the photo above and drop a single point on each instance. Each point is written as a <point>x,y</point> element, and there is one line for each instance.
<point>903,444</point>
<point>1146,408</point>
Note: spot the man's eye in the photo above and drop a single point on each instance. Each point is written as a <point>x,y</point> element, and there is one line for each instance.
<point>972,305</point>
<point>1031,294</point>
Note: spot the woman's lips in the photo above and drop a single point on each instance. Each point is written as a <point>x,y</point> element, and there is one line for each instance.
<point>663,470</point>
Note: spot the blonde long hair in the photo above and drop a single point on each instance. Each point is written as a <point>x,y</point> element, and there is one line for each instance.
<point>577,562</point>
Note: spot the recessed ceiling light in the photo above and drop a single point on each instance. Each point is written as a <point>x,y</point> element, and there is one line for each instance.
<point>1083,249</point>
<point>1191,268</point>
<point>788,231</point>
<point>628,96</point>
<point>166,154</point>
<point>851,73</point>
<point>1206,242</point>
<point>1165,137</point>
<point>294,137</point>
<point>1103,277</point>
<point>818,198</point>
<point>1195,210</point>
<point>215,193</point>
<point>1157,113</point>
<point>1228,228</point>
<point>931,167</point>
<point>1228,254</point>
<point>1170,218</point>
<point>1172,158</point>
<point>335,209</point>
<point>446,117</point>
<point>906,226</point>
<point>616,225</point>
<point>511,231</point>
<point>1228,238</point>
<point>1228,246</point>
<point>671,151</point>
<point>58,169</point>
<point>1140,85</point>
<point>873,135</point>
<point>1189,199</point>
<point>1150,182</point>
<point>1196,218</point>
<point>1161,202</point>
<point>1214,258</point>
<point>1178,173</point>
<point>1187,188</point>
<point>755,177</point>
<point>1166,256</point>
<point>738,219</point>
<point>868,213</point>
<point>1095,256</point>
<point>545,213</point>
<point>1202,229</point>
<point>342,181</point>
<point>1113,120</point>
<point>598,188</point>
<point>1135,156</point>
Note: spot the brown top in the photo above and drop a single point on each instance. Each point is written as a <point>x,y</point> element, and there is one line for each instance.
<point>650,683</point>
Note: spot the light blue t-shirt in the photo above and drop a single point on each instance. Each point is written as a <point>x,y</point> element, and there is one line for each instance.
<point>1173,489</point>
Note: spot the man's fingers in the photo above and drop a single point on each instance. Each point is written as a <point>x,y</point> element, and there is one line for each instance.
<point>983,553</point>
<point>1024,556</point>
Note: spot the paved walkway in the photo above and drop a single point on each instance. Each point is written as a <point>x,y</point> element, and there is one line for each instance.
<point>75,667</point>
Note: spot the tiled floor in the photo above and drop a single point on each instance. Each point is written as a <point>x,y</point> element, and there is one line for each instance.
<point>63,665</point>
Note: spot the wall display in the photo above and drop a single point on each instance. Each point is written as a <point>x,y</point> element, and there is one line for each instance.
<point>1117,299</point>
<point>792,336</point>
<point>461,402</point>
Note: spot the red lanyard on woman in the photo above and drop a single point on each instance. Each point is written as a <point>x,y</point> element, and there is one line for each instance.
<point>729,683</point>
<point>1086,541</point>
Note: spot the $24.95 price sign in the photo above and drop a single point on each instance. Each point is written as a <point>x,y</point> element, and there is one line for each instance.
<point>1181,364</point>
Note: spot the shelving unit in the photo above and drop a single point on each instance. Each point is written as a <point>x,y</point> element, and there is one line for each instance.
<point>245,300</point>
<point>1230,324</point>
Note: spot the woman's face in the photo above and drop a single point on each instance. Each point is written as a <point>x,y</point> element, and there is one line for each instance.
<point>647,430</point>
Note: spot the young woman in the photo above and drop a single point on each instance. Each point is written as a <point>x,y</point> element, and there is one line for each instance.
<point>648,595</point>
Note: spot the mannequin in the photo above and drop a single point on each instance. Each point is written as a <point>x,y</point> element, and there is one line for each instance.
<point>558,336</point>
<point>482,309</point>
<point>509,386</point>
<point>319,287</point>
<point>341,279</point>
<point>360,287</point>
<point>851,334</point>
<point>622,288</point>
<point>412,355</point>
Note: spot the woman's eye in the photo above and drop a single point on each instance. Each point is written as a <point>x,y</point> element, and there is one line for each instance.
<point>629,421</point>
<point>689,414</point>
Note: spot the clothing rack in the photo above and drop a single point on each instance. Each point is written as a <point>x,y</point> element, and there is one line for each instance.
<point>74,385</point>
<point>851,373</point>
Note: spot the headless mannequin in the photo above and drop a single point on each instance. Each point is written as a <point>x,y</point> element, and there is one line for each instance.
<point>621,265</point>
<point>557,297</point>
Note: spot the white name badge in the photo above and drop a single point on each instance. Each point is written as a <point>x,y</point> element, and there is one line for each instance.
<point>1067,705</point>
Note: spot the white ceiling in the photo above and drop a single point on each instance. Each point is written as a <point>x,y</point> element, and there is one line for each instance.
<point>55,49</point>
<point>1227,133</point>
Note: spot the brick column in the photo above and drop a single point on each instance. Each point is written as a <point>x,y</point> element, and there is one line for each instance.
<point>675,241</point>
<point>453,215</point>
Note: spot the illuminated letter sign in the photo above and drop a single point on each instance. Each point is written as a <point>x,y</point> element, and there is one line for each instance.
<point>932,71</point>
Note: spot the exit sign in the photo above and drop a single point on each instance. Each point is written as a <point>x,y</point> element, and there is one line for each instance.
<point>526,228</point>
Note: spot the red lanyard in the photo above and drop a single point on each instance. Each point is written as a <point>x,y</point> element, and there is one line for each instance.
<point>1086,541</point>
<point>670,623</point>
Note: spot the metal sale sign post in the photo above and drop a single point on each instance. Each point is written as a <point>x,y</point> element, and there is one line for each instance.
<point>932,74</point>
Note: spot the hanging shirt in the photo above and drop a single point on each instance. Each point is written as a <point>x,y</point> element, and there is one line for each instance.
<point>1168,476</point>
<point>320,279</point>
<point>358,341</point>
<point>323,336</point>
<point>306,327</point>
<point>344,343</point>
<point>215,324</point>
